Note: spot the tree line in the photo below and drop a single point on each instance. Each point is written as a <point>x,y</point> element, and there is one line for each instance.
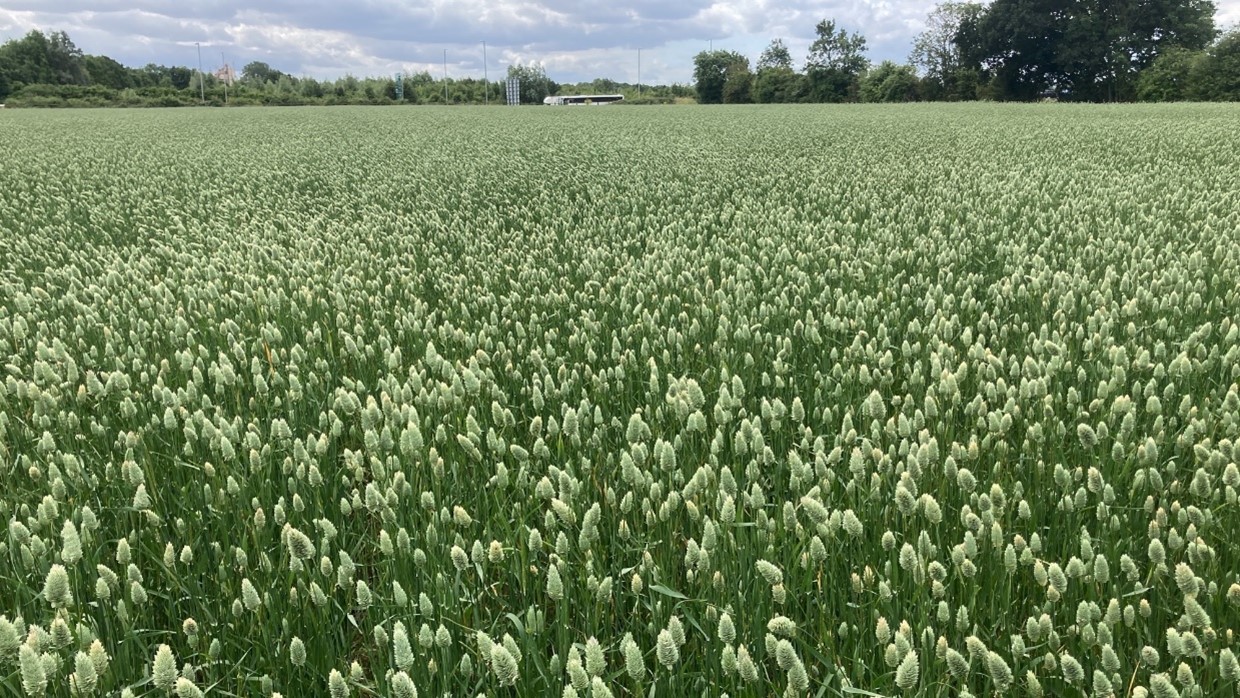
<point>1011,50</point>
<point>49,70</point>
<point>1076,50</point>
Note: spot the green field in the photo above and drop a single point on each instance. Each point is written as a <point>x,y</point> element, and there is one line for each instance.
<point>827,401</point>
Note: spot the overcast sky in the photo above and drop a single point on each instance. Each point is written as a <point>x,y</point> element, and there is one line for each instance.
<point>574,39</point>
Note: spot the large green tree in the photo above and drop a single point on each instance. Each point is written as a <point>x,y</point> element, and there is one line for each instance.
<point>259,73</point>
<point>835,63</point>
<point>775,56</point>
<point>1085,50</point>
<point>1216,76</point>
<point>738,83</point>
<point>38,58</point>
<point>106,72</point>
<point>1168,78</point>
<point>711,71</point>
<point>775,80</point>
<point>940,56</point>
<point>889,82</point>
<point>778,85</point>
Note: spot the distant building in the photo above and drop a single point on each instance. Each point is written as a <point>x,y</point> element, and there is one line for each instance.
<point>569,100</point>
<point>226,75</point>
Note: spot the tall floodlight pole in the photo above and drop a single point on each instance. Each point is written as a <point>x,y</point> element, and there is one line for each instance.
<point>202,87</point>
<point>639,72</point>
<point>445,76</point>
<point>486,85</point>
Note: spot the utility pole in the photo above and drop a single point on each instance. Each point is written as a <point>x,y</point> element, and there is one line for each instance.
<point>202,87</point>
<point>227,77</point>
<point>639,73</point>
<point>486,84</point>
<point>445,76</point>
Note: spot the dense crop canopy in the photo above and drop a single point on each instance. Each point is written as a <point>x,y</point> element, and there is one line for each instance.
<point>931,400</point>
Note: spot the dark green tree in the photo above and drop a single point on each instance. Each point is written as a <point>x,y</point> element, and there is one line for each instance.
<point>1216,76</point>
<point>25,60</point>
<point>181,77</point>
<point>710,73</point>
<point>889,82</point>
<point>1167,79</point>
<point>835,63</point>
<point>259,73</point>
<point>778,85</point>
<point>938,54</point>
<point>106,72</point>
<point>1094,51</point>
<point>775,56</point>
<point>738,83</point>
<point>66,60</point>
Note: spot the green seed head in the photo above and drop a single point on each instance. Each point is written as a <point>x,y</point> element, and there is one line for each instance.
<point>34,676</point>
<point>297,652</point>
<point>187,689</point>
<point>249,595</point>
<point>907,672</point>
<point>402,686</point>
<point>336,685</point>
<point>667,650</point>
<point>164,671</point>
<point>56,588</point>
<point>85,678</point>
<point>504,665</point>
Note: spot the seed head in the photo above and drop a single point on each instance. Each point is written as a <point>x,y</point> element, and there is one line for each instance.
<point>745,665</point>
<point>852,524</point>
<point>402,686</point>
<point>957,664</point>
<point>299,544</point>
<point>56,588</point>
<point>401,647</point>
<point>85,678</point>
<point>1000,672</point>
<point>1228,666</point>
<point>1102,685</point>
<point>772,574</point>
<point>249,595</point>
<point>187,689</point>
<point>634,664</point>
<point>71,544</point>
<point>780,625</point>
<point>336,685</point>
<point>297,652</point>
<point>164,671</point>
<point>667,650</point>
<point>555,586</point>
<point>460,559</point>
<point>1073,673</point>
<point>907,672</point>
<point>595,662</point>
<point>99,657</point>
<point>727,630</point>
<point>677,629</point>
<point>504,665</point>
<point>34,677</point>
